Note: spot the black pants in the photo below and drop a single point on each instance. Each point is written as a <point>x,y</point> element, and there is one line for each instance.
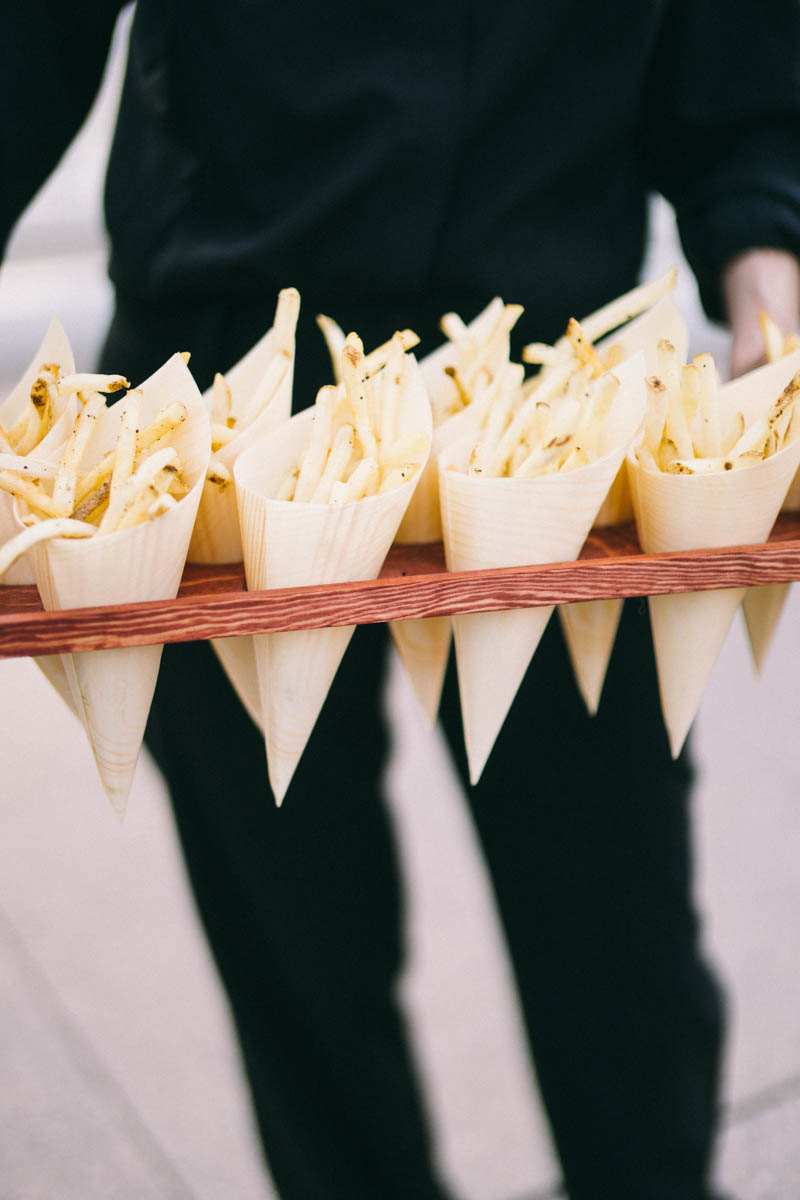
<point>585,828</point>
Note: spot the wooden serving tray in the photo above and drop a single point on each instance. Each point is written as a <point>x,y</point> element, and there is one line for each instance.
<point>213,602</point>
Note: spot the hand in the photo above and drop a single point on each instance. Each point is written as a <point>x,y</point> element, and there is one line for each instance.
<point>758,280</point>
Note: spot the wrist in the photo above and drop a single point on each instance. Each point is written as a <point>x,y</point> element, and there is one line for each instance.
<point>759,280</point>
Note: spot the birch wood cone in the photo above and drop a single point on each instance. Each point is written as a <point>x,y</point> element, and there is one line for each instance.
<point>424,645</point>
<point>590,628</point>
<point>509,522</point>
<point>216,537</point>
<point>763,606</point>
<point>289,544</point>
<point>697,512</point>
<point>112,689</point>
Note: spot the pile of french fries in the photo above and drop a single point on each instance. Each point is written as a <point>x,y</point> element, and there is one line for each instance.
<point>137,480</point>
<point>689,432</point>
<point>47,402</point>
<point>555,426</point>
<point>552,420</point>
<point>353,450</point>
<point>478,362</point>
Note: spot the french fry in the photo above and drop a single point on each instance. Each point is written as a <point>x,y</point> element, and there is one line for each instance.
<point>399,475</point>
<point>88,383</point>
<point>160,506</point>
<point>411,448</point>
<point>540,354</point>
<point>702,379</point>
<point>284,324</point>
<point>218,474</point>
<point>220,402</point>
<point>773,338</point>
<point>583,348</point>
<point>143,477</point>
<point>363,482</point>
<point>66,481</point>
<point>125,457</point>
<point>221,435</point>
<point>334,340</point>
<point>31,468</point>
<point>338,461</point>
<point>625,307</point>
<point>316,453</point>
<point>354,379</point>
<point>36,497</point>
<point>138,508</point>
<point>656,415</point>
<point>403,339</point>
<point>676,426</point>
<point>453,327</point>
<point>58,527</point>
<point>90,508</point>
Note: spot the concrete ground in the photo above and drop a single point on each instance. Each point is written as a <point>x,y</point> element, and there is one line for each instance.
<point>120,1077</point>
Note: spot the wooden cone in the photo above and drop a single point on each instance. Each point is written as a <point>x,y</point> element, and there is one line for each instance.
<point>590,629</point>
<point>762,610</point>
<point>292,545</point>
<point>54,671</point>
<point>511,522</point>
<point>216,537</point>
<point>54,348</point>
<point>424,645</point>
<point>112,689</point>
<point>424,648</point>
<point>699,512</point>
<point>763,605</point>
<point>237,657</point>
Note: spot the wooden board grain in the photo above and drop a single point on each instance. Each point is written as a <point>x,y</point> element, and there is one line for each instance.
<point>213,601</point>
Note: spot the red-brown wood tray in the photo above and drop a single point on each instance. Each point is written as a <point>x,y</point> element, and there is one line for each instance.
<point>213,602</point>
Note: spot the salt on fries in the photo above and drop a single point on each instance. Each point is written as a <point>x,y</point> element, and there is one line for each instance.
<point>138,480</point>
<point>554,427</point>
<point>689,432</point>
<point>353,449</point>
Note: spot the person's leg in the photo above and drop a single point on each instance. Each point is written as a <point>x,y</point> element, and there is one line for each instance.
<point>301,905</point>
<point>585,827</point>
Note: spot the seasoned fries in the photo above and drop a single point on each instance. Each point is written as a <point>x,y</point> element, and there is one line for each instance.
<point>688,431</point>
<point>352,450</point>
<point>137,480</point>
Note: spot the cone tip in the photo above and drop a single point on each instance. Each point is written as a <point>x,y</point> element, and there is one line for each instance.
<point>281,774</point>
<point>476,763</point>
<point>676,741</point>
<point>118,799</point>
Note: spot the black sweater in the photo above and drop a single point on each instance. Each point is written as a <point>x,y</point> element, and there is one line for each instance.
<point>434,148</point>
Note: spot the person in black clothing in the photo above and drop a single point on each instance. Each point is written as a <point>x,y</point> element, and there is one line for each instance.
<point>393,165</point>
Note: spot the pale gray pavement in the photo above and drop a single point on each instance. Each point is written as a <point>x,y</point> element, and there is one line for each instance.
<point>119,1078</point>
